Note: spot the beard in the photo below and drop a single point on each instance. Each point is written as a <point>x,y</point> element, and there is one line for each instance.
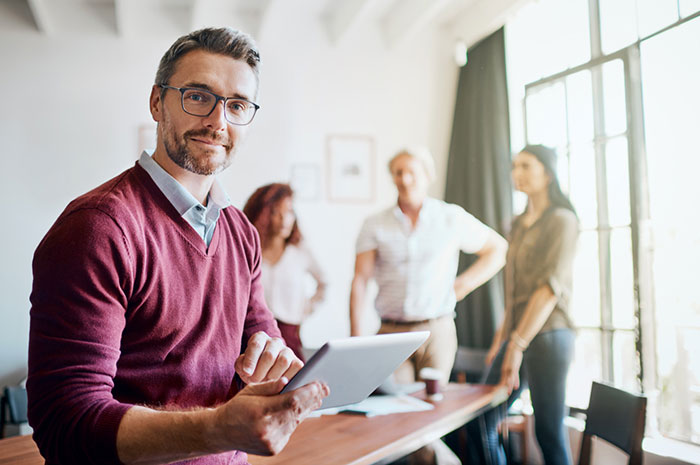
<point>178,151</point>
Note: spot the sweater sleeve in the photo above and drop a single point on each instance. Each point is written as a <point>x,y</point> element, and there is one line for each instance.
<point>258,317</point>
<point>82,273</point>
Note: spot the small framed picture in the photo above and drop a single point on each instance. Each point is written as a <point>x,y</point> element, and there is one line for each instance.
<point>146,138</point>
<point>351,170</point>
<point>305,180</point>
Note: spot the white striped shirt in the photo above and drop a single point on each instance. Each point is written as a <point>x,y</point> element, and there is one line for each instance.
<point>415,268</point>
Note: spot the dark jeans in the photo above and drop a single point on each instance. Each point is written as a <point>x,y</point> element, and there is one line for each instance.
<point>544,368</point>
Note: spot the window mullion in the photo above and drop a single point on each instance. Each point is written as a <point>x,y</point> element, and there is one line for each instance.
<point>603,221</point>
<point>640,222</point>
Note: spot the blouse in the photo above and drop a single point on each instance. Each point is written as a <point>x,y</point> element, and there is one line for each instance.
<point>541,254</point>
<point>286,283</point>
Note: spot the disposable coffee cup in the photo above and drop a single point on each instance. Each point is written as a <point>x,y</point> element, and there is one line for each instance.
<point>432,378</point>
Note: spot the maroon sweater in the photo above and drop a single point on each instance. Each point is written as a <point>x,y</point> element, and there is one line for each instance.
<point>129,307</point>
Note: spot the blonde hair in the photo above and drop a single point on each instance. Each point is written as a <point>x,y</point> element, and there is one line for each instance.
<point>421,154</point>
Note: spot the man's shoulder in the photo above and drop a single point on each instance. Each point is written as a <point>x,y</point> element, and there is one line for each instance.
<point>122,190</point>
<point>238,223</point>
<point>121,198</point>
<point>381,215</point>
<point>444,209</point>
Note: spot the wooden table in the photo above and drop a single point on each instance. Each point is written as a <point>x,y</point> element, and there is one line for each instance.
<point>357,440</point>
<point>344,439</point>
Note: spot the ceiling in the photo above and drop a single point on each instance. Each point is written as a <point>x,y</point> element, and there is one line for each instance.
<point>467,20</point>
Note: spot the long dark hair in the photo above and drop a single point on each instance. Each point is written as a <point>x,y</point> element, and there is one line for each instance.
<point>548,157</point>
<point>259,208</point>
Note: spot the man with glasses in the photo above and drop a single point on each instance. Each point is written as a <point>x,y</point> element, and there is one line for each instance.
<point>148,316</point>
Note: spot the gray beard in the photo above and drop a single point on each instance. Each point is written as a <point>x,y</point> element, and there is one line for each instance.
<point>184,159</point>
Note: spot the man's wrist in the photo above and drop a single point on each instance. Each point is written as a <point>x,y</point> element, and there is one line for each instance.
<point>215,441</point>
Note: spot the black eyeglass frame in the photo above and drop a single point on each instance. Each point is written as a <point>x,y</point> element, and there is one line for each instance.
<point>217,99</point>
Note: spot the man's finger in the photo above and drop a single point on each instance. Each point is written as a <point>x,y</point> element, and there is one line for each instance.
<point>293,368</point>
<point>285,358</point>
<point>306,399</point>
<point>256,346</point>
<point>267,359</point>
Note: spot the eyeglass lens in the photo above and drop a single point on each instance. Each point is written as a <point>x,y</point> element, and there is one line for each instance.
<point>201,102</point>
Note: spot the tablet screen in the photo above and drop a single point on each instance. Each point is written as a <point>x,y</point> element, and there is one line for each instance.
<point>354,367</point>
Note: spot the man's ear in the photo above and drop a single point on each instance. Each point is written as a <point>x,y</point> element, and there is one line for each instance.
<point>156,103</point>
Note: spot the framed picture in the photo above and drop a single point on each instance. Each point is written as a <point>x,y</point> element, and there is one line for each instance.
<point>351,170</point>
<point>305,180</point>
<point>146,138</point>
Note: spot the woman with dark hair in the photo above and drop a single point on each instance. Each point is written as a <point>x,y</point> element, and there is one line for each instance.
<point>534,344</point>
<point>286,261</point>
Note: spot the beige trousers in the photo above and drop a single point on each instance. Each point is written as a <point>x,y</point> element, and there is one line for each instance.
<point>437,352</point>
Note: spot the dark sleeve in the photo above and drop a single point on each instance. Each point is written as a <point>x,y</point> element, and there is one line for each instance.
<point>559,252</point>
<point>81,270</point>
<point>259,317</point>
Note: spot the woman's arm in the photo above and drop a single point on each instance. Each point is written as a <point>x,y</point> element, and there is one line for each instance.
<point>364,269</point>
<point>315,271</point>
<point>538,309</point>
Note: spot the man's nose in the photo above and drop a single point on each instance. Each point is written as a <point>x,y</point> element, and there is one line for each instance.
<point>217,118</point>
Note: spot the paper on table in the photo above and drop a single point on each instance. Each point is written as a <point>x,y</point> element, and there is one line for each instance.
<point>385,405</point>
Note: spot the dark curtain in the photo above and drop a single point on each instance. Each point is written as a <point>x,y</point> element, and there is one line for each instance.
<point>478,175</point>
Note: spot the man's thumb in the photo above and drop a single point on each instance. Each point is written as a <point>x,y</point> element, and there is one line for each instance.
<point>268,388</point>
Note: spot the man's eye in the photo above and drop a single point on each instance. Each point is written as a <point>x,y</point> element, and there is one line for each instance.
<point>197,97</point>
<point>237,106</point>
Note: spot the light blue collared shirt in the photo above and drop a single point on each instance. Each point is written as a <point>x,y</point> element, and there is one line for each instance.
<point>202,219</point>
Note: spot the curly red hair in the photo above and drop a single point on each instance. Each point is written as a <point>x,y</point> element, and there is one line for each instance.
<point>259,209</point>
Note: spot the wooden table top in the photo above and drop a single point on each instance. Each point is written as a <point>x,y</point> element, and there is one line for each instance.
<point>358,440</point>
<point>19,450</point>
<point>343,439</point>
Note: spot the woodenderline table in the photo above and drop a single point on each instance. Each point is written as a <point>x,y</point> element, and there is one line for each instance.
<point>345,439</point>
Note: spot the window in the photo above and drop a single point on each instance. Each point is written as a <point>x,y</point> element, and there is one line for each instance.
<point>630,158</point>
<point>672,121</point>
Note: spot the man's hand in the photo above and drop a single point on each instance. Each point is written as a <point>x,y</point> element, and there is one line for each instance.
<point>265,359</point>
<point>261,420</point>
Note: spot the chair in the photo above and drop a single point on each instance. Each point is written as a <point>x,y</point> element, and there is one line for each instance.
<point>469,364</point>
<point>13,407</point>
<point>617,417</point>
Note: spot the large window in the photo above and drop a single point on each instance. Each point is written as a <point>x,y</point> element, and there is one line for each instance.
<point>624,115</point>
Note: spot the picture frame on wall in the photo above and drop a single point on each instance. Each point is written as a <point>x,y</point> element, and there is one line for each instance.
<point>146,138</point>
<point>350,168</point>
<point>305,181</point>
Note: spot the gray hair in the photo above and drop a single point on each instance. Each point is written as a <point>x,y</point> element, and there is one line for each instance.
<point>224,41</point>
<point>422,154</point>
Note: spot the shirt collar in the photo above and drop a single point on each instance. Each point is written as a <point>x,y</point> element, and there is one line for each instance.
<point>424,213</point>
<point>178,196</point>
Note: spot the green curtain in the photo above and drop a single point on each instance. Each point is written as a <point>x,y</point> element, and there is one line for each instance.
<point>478,175</point>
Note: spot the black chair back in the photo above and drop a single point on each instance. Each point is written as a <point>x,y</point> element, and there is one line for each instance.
<point>14,406</point>
<point>617,417</point>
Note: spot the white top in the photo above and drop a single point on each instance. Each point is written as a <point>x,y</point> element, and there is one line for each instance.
<point>415,269</point>
<point>287,284</point>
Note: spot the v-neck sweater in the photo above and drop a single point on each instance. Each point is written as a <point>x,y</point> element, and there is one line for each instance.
<point>129,306</point>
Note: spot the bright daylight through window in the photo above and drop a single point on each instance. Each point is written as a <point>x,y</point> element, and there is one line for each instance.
<point>616,93</point>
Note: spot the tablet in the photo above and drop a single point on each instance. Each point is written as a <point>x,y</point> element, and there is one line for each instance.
<point>354,367</point>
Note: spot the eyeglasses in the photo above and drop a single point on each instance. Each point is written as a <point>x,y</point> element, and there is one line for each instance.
<point>200,102</point>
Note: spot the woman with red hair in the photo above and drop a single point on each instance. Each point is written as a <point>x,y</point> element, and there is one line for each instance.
<point>286,261</point>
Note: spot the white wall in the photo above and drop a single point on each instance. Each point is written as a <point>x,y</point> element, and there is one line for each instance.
<point>72,106</point>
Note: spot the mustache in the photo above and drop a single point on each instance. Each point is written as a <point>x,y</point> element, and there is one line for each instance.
<point>209,135</point>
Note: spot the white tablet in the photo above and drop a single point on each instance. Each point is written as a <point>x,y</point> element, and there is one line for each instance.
<point>354,367</point>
